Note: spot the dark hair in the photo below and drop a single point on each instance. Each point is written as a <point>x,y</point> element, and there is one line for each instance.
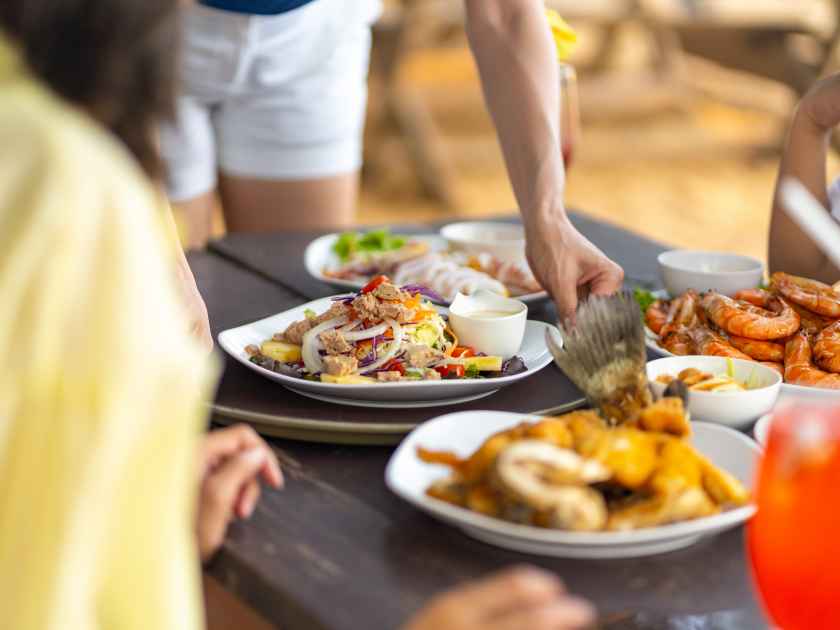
<point>113,58</point>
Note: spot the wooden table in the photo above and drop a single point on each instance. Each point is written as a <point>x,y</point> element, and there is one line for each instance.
<point>335,550</point>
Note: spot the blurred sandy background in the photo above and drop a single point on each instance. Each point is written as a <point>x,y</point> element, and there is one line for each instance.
<point>683,166</point>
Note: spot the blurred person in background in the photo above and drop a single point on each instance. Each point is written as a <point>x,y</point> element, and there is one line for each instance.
<point>102,387</point>
<point>271,113</point>
<point>805,158</point>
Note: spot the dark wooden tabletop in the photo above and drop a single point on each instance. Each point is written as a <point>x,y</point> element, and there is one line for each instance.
<point>335,550</point>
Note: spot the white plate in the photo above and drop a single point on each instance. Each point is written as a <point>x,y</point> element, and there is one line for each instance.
<point>463,432</point>
<point>409,393</point>
<point>319,256</point>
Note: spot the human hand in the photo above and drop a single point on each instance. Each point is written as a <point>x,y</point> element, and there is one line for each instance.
<point>522,597</point>
<point>821,105</point>
<point>567,264</point>
<point>231,462</point>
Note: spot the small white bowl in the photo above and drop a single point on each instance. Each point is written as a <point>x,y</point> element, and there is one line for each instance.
<point>683,269</point>
<point>733,409</point>
<point>761,430</point>
<point>505,241</point>
<point>497,335</point>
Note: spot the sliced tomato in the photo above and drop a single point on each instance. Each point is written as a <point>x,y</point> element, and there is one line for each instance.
<point>462,352</point>
<point>450,371</point>
<point>370,286</point>
<point>394,365</point>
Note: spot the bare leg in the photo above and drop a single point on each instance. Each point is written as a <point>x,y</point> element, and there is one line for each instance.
<point>195,218</point>
<point>260,205</point>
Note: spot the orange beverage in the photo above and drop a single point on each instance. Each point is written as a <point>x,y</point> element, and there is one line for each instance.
<point>794,539</point>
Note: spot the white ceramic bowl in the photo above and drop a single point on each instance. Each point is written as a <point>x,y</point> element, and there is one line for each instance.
<point>683,269</point>
<point>506,241</point>
<point>499,336</point>
<point>733,409</point>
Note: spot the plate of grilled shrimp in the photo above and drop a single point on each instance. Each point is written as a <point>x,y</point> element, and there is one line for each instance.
<point>792,326</point>
<point>630,476</point>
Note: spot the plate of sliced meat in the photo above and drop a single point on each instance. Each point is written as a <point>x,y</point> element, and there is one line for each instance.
<point>351,259</point>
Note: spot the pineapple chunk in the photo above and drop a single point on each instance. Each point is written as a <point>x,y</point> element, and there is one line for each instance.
<point>350,379</point>
<point>281,351</point>
<point>482,364</point>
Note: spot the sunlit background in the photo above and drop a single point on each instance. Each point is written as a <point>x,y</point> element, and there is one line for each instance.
<point>684,106</point>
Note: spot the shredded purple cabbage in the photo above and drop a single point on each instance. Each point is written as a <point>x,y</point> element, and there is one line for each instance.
<point>424,291</point>
<point>346,298</point>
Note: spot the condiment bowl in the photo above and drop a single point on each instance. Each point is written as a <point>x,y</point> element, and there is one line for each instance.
<point>682,270</point>
<point>490,323</point>
<point>734,409</point>
<point>505,241</point>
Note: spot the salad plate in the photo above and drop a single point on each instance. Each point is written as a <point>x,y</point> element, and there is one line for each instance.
<point>401,393</point>
<point>322,260</point>
<point>463,432</point>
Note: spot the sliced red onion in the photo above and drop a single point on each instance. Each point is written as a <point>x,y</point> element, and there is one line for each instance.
<point>310,346</point>
<point>424,291</point>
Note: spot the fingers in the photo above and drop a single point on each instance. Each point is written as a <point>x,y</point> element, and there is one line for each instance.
<point>506,592</point>
<point>248,499</point>
<point>225,442</point>
<point>608,281</point>
<point>219,494</point>
<point>566,298</point>
<point>566,613</point>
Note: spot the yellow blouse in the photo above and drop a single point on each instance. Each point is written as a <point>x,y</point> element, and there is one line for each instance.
<point>101,390</point>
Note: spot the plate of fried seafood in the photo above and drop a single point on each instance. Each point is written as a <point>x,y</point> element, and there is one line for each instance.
<point>382,346</point>
<point>351,259</point>
<point>574,486</point>
<point>792,326</point>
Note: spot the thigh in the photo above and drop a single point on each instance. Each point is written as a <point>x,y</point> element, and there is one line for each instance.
<point>296,129</point>
<point>266,205</point>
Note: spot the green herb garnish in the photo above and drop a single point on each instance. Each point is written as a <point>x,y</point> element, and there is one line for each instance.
<point>644,298</point>
<point>472,371</point>
<point>382,240</point>
<point>309,313</point>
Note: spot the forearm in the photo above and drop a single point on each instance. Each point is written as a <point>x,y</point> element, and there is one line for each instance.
<point>517,63</point>
<point>790,249</point>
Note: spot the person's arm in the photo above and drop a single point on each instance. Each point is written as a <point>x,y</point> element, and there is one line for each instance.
<point>516,59</point>
<point>806,153</point>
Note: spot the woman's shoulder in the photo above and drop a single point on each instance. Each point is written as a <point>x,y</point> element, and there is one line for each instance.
<point>39,131</point>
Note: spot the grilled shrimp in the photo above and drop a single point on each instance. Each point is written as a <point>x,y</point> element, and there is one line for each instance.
<point>682,313</point>
<point>678,342</point>
<point>827,348</point>
<point>759,350</point>
<point>756,297</point>
<point>710,343</point>
<point>799,370</point>
<point>773,365</point>
<point>745,320</point>
<point>810,323</point>
<point>656,315</point>
<point>812,294</point>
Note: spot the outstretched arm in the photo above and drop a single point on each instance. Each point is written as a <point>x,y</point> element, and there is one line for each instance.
<point>517,63</point>
<point>790,249</point>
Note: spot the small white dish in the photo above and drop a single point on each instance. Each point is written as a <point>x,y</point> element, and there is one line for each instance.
<point>463,432</point>
<point>489,321</point>
<point>533,352</point>
<point>683,269</point>
<point>506,241</point>
<point>319,256</point>
<point>733,409</point>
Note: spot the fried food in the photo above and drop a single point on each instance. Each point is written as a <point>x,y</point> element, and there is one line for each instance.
<point>656,316</point>
<point>747,320</point>
<point>800,369</point>
<point>576,473</point>
<point>814,295</point>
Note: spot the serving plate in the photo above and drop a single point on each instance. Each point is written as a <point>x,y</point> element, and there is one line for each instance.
<point>319,256</point>
<point>463,432</point>
<point>533,352</point>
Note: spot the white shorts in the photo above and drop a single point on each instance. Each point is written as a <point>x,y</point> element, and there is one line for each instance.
<point>273,97</point>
